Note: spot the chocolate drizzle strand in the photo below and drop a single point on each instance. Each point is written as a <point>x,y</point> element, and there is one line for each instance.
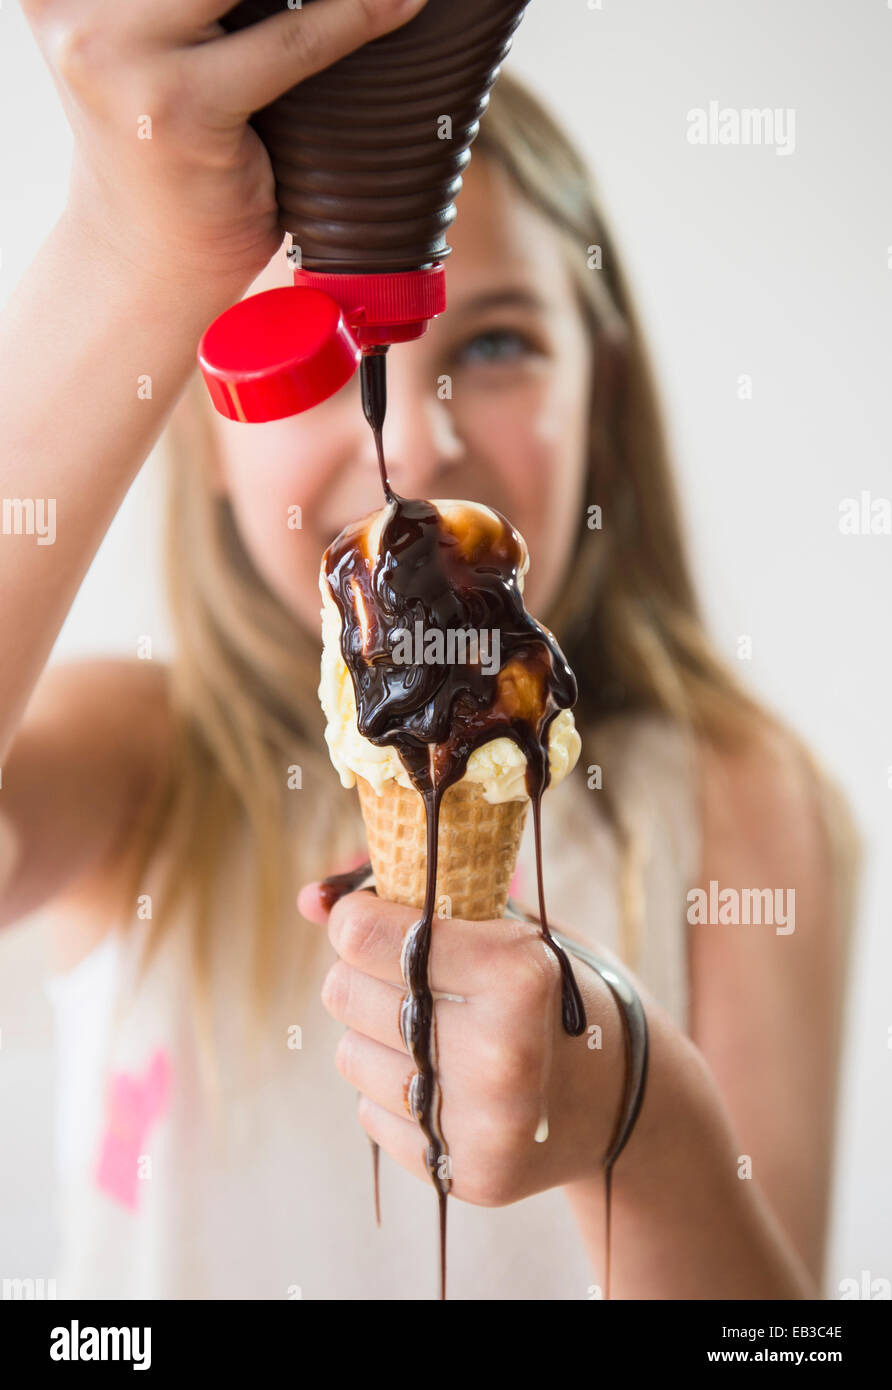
<point>444,572</point>
<point>337,886</point>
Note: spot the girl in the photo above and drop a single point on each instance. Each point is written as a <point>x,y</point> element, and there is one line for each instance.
<point>207,1145</point>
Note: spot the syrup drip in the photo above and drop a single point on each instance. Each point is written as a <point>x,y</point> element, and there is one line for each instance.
<point>436,715</point>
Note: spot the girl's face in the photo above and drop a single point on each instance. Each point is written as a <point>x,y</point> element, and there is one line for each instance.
<point>513,434</point>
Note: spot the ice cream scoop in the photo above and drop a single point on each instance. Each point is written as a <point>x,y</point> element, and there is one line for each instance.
<point>498,766</point>
<point>447,704</point>
<point>485,709</point>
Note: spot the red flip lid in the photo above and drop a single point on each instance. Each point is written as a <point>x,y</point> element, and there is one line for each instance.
<point>277,353</point>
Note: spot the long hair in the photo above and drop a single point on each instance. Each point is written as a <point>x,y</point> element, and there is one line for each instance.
<point>245,673</point>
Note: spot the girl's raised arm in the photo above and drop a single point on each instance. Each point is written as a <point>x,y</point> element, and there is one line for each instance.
<point>171,214</point>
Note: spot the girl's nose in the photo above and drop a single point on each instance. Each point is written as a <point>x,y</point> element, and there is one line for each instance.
<point>421,445</point>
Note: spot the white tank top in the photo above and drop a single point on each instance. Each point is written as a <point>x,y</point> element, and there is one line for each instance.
<point>275,1199</point>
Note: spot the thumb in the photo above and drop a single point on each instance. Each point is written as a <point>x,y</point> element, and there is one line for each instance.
<point>311,904</point>
<point>259,63</point>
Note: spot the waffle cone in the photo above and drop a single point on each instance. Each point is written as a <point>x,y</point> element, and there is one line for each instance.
<point>477,850</point>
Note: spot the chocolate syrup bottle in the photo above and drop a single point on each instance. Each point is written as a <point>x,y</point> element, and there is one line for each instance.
<point>368,157</point>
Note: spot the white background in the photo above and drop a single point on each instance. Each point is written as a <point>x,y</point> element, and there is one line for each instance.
<point>743,261</point>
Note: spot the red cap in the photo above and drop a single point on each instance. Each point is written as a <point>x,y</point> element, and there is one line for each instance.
<point>277,353</point>
<point>284,350</point>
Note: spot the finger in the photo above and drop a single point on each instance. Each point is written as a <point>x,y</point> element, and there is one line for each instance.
<point>184,21</point>
<point>378,1071</point>
<point>312,905</point>
<point>373,1007</point>
<point>195,12</point>
<point>248,69</point>
<point>401,1139</point>
<point>367,1005</point>
<point>386,1074</point>
<point>465,956</point>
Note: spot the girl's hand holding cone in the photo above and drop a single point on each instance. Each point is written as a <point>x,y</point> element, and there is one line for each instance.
<point>504,1061</point>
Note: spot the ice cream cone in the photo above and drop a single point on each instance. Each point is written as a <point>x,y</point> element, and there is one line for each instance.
<point>478,847</point>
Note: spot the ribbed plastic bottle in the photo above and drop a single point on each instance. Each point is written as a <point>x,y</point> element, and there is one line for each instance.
<point>368,157</point>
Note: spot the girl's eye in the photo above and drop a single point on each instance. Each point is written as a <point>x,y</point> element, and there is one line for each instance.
<point>496,345</point>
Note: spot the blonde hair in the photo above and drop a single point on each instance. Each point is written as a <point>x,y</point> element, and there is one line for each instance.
<point>243,694</point>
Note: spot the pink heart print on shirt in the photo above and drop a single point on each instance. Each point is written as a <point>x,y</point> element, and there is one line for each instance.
<point>134,1104</point>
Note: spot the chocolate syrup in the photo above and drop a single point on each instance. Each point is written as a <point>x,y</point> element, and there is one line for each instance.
<point>373,384</point>
<point>435,715</point>
<point>376,1154</point>
<point>337,886</point>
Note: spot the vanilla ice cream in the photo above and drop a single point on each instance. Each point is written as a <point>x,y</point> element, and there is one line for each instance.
<point>498,765</point>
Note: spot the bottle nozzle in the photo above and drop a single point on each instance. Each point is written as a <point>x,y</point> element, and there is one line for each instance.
<point>373,381</point>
